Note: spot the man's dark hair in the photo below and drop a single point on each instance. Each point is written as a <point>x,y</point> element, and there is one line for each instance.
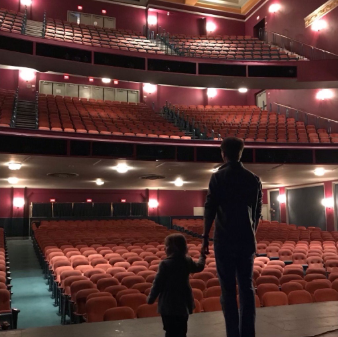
<point>232,147</point>
<point>176,244</point>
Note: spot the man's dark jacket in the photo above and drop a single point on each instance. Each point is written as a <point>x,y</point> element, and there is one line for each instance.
<point>235,199</point>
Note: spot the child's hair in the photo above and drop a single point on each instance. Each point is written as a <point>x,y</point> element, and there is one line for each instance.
<point>176,244</point>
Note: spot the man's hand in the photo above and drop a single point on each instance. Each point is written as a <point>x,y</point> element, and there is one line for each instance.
<point>205,246</point>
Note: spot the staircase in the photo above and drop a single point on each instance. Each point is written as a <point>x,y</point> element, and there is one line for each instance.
<point>25,115</point>
<point>34,28</point>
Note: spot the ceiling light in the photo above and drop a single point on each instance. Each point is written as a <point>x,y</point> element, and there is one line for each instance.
<point>319,171</point>
<point>211,27</point>
<point>243,90</point>
<point>106,80</point>
<point>152,20</point>
<point>211,92</point>
<point>27,74</point>
<point>153,203</point>
<point>178,182</point>
<point>14,166</point>
<point>99,182</point>
<point>18,202</point>
<point>327,202</point>
<point>319,25</point>
<point>26,2</point>
<point>13,180</point>
<point>281,198</point>
<point>324,94</point>
<point>122,168</point>
<point>274,8</point>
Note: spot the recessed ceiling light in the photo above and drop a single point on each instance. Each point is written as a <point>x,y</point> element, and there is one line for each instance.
<point>243,90</point>
<point>99,182</point>
<point>319,171</point>
<point>14,166</point>
<point>106,80</point>
<point>13,180</point>
<point>178,182</point>
<point>122,168</point>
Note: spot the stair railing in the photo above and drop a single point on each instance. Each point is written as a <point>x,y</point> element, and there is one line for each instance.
<point>24,22</point>
<point>44,24</point>
<point>15,108</point>
<point>36,110</point>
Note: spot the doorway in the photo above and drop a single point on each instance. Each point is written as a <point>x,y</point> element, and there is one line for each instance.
<point>274,206</point>
<point>261,100</point>
<point>259,30</point>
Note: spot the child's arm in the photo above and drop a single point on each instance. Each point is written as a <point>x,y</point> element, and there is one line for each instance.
<point>157,285</point>
<point>196,267</point>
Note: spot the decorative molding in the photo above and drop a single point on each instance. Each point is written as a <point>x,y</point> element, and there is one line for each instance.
<point>320,12</point>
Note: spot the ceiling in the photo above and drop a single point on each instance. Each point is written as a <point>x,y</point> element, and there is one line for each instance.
<point>33,173</point>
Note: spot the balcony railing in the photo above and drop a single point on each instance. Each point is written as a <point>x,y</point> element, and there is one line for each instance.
<point>302,49</point>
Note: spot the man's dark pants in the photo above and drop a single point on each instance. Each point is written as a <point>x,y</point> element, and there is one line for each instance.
<point>232,263</point>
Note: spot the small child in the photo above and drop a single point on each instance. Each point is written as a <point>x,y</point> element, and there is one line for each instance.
<point>172,285</point>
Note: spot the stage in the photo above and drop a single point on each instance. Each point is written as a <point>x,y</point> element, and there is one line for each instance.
<point>303,320</point>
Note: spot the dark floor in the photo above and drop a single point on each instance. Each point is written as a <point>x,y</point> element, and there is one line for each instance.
<point>30,292</point>
<point>306,320</point>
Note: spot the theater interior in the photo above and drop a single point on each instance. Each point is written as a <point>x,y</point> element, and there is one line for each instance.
<point>112,113</point>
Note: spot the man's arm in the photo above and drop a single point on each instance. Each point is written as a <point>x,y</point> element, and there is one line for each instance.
<point>157,285</point>
<point>210,209</point>
<point>259,204</point>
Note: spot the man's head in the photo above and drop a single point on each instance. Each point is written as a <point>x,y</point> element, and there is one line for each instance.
<point>232,149</point>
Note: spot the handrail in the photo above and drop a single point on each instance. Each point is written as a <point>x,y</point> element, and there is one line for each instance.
<point>307,51</point>
<point>317,119</point>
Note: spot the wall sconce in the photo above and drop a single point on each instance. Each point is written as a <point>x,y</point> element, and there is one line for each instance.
<point>152,20</point>
<point>211,27</point>
<point>324,94</point>
<point>26,2</point>
<point>18,202</point>
<point>79,8</point>
<point>274,8</point>
<point>123,200</point>
<point>319,25</point>
<point>52,200</point>
<point>104,11</point>
<point>149,88</point>
<point>66,77</point>
<point>281,198</point>
<point>153,203</point>
<point>327,202</point>
<point>211,92</point>
<point>89,200</point>
<point>27,74</point>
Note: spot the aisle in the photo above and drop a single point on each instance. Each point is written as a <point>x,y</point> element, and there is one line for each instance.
<point>30,292</point>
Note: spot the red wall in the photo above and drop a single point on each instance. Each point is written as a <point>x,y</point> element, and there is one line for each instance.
<point>289,21</point>
<point>181,95</point>
<point>305,100</point>
<point>195,24</point>
<point>8,79</point>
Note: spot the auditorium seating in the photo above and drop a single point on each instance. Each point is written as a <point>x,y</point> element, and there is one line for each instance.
<point>252,124</point>
<point>229,47</point>
<point>11,21</point>
<point>57,113</point>
<point>7,98</point>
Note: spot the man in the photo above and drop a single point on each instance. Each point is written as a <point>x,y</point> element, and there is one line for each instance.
<point>235,199</point>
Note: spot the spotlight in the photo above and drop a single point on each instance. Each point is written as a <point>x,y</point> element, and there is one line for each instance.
<point>319,171</point>
<point>122,168</point>
<point>99,182</point>
<point>178,182</point>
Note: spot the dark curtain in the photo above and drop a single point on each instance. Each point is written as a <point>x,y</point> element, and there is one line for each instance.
<point>42,210</point>
<point>62,209</point>
<point>139,209</point>
<point>121,209</point>
<point>102,209</point>
<point>305,208</point>
<point>82,209</point>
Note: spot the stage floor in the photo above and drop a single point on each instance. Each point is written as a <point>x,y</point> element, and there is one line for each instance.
<point>318,319</point>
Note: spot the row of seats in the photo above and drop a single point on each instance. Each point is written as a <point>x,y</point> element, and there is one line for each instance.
<point>11,21</point>
<point>57,113</point>
<point>8,315</point>
<point>7,98</point>
<point>191,226</point>
<point>230,47</point>
<point>115,259</point>
<point>99,37</point>
<point>253,125</point>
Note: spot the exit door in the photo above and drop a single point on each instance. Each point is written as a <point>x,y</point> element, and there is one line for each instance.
<point>261,100</point>
<point>274,206</point>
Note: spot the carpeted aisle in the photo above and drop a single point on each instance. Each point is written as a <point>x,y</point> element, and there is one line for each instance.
<point>30,292</point>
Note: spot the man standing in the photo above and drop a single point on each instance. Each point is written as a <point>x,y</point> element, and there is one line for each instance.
<point>235,200</point>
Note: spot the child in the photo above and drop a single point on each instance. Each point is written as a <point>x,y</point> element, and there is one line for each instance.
<point>172,285</point>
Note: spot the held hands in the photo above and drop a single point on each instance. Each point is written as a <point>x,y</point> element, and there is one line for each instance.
<point>205,247</point>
